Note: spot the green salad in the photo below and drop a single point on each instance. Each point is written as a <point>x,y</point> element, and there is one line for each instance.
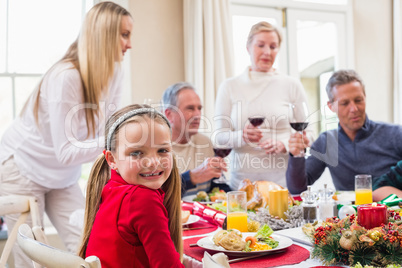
<point>264,235</point>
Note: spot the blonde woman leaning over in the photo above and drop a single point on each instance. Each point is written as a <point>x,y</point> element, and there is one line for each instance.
<point>133,209</point>
<point>42,152</point>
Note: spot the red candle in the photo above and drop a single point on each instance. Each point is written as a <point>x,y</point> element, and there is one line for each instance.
<point>372,215</point>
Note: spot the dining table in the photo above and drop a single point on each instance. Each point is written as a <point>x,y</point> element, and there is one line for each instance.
<point>298,254</point>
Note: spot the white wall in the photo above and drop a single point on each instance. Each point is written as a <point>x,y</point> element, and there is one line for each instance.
<point>373,55</point>
<point>157,56</point>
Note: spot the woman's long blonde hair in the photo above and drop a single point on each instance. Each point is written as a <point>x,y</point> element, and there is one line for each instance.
<point>94,55</point>
<point>100,174</point>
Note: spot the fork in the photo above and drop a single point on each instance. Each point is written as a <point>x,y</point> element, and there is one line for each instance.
<point>245,258</point>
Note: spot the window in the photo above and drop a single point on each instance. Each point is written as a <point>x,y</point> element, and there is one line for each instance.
<point>33,36</point>
<point>317,39</point>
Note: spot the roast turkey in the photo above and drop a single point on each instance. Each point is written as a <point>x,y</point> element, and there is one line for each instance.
<point>257,192</point>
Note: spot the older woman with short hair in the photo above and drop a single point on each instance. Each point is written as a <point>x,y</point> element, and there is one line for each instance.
<point>259,153</point>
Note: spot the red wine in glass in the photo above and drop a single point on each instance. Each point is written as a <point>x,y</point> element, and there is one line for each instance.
<point>298,119</point>
<point>257,120</point>
<point>299,126</point>
<point>222,152</point>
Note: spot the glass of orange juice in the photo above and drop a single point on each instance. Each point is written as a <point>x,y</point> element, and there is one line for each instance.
<point>237,210</point>
<point>363,189</point>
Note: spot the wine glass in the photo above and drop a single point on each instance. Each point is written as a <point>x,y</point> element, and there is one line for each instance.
<point>298,119</point>
<point>221,152</point>
<point>255,114</point>
<point>256,120</point>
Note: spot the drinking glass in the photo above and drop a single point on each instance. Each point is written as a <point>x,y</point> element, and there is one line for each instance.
<point>237,210</point>
<point>221,152</point>
<point>255,114</point>
<point>298,119</point>
<point>363,189</point>
<point>256,120</point>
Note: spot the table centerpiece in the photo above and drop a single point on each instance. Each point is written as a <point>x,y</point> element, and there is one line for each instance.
<point>345,241</point>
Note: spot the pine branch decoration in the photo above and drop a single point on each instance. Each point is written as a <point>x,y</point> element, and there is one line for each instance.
<point>391,253</point>
<point>363,254</point>
<point>377,247</point>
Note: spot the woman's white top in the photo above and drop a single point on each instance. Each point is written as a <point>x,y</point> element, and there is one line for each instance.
<point>52,152</point>
<point>249,94</point>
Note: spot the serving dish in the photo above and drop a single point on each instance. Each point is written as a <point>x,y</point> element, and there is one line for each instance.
<point>189,199</point>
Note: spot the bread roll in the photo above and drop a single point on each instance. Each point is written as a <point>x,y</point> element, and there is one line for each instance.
<point>185,214</point>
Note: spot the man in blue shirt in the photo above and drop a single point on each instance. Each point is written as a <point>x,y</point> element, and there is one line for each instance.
<point>357,146</point>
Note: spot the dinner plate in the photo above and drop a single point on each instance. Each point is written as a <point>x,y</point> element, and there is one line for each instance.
<point>189,198</point>
<point>345,197</point>
<point>192,219</point>
<point>296,234</point>
<point>284,243</point>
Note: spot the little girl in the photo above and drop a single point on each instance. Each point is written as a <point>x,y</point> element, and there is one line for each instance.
<point>136,222</point>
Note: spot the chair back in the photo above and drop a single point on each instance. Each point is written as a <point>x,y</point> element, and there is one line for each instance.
<point>49,256</point>
<point>17,204</point>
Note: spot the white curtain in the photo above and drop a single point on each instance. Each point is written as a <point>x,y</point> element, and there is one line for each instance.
<point>397,28</point>
<point>208,48</point>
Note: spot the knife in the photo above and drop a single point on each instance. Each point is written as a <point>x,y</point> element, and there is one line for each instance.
<point>245,258</point>
<point>195,228</point>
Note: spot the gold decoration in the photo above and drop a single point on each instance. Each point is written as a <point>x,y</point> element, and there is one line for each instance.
<point>375,235</point>
<point>347,240</point>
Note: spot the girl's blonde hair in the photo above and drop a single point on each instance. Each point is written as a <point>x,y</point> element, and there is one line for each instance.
<point>263,26</point>
<point>100,174</point>
<point>94,55</point>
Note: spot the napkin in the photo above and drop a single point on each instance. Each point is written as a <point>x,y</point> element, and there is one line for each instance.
<point>218,260</point>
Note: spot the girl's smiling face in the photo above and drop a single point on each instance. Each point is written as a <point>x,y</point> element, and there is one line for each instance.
<point>143,154</point>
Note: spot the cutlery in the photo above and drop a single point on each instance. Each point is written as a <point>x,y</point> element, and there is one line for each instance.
<point>245,258</point>
<point>193,245</point>
<point>195,228</point>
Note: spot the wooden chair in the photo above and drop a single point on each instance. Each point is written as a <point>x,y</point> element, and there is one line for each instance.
<point>49,256</point>
<point>25,205</point>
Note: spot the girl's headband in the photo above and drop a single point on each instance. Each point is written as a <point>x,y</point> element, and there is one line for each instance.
<point>128,115</point>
